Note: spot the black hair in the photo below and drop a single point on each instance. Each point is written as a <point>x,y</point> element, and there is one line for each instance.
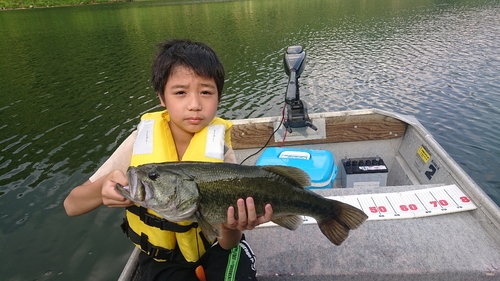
<point>196,56</point>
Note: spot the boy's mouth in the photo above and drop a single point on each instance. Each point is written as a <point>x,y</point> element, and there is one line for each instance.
<point>194,120</point>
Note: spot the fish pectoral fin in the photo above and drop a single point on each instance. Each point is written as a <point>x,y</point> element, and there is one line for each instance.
<point>291,222</point>
<point>211,232</point>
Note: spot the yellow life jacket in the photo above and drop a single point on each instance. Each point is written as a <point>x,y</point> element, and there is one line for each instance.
<point>155,144</point>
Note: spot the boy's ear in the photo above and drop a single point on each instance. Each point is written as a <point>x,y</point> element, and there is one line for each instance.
<point>162,99</point>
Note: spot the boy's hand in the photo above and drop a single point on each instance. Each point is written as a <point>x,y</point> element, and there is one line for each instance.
<point>110,197</point>
<point>247,217</point>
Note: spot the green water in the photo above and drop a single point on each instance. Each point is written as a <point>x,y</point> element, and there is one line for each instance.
<point>73,81</point>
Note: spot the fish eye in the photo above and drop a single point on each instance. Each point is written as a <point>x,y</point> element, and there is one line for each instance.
<point>153,175</point>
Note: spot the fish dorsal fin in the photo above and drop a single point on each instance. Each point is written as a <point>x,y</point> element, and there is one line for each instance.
<point>296,174</point>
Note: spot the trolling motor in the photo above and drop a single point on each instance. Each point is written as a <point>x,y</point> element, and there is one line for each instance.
<point>297,117</point>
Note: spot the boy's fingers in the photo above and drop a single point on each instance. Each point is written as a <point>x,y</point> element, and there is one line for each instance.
<point>126,203</point>
<point>247,215</point>
<point>119,177</point>
<point>242,213</point>
<point>251,214</point>
<point>268,215</point>
<point>230,217</point>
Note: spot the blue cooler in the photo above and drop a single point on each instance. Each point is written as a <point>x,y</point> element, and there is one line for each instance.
<point>318,164</point>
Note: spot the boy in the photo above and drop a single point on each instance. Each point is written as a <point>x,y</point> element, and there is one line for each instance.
<point>188,78</point>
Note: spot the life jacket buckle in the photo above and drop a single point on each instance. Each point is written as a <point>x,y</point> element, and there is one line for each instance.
<point>150,219</point>
<point>153,251</point>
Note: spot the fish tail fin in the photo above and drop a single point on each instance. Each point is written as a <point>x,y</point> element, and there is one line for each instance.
<point>344,218</point>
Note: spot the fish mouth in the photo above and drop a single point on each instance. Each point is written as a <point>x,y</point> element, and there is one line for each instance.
<point>129,191</point>
<point>140,190</point>
<point>132,181</point>
<point>124,190</point>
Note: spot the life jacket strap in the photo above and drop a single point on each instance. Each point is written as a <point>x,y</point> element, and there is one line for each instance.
<point>148,248</point>
<point>160,223</point>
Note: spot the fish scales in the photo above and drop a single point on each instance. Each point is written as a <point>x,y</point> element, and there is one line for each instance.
<point>221,187</point>
<point>217,195</point>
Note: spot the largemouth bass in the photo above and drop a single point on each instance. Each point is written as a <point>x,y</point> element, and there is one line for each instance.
<point>202,192</point>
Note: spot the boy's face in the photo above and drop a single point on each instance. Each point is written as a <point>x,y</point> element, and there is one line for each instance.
<point>191,100</point>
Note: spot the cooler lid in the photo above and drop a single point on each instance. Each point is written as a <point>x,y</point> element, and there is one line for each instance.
<point>318,164</point>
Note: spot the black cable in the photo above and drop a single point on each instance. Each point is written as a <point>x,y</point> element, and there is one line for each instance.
<point>282,118</point>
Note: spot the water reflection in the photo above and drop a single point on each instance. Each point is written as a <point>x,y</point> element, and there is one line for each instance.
<point>74,81</point>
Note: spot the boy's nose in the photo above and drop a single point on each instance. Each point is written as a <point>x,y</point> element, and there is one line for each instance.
<point>194,103</point>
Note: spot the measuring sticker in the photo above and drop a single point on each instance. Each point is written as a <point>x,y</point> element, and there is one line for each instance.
<point>408,204</point>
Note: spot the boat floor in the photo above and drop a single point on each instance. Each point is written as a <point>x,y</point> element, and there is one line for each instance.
<point>443,247</point>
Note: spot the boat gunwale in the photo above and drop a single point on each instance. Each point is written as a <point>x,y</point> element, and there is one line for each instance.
<point>337,127</point>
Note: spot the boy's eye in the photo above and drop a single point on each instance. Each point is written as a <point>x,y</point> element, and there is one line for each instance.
<point>206,93</point>
<point>180,93</point>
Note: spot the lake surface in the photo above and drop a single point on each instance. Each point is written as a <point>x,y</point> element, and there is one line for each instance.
<point>74,80</point>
